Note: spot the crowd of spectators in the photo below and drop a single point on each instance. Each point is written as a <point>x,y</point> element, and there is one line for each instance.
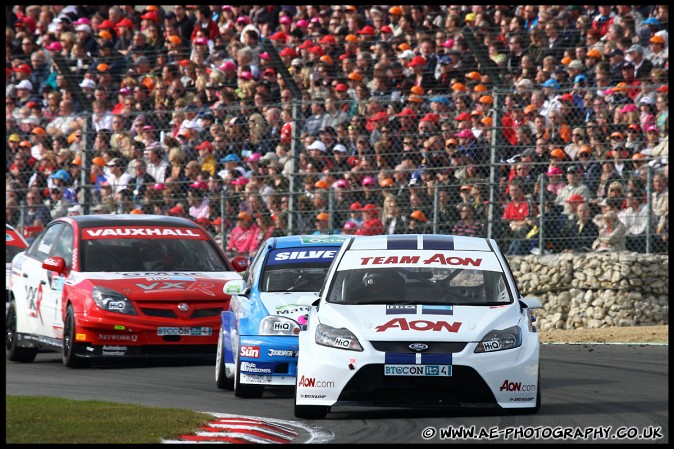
<point>401,127</point>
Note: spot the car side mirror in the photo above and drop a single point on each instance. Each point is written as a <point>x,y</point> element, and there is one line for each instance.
<point>236,287</point>
<point>57,264</point>
<point>240,264</point>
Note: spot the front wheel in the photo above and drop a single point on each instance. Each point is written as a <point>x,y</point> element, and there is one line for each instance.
<point>221,380</point>
<point>245,390</point>
<point>70,359</point>
<point>13,351</point>
<point>310,411</point>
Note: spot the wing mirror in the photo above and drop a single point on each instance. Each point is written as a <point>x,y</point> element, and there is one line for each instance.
<point>57,264</point>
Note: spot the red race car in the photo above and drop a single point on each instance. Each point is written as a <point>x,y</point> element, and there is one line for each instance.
<point>118,286</point>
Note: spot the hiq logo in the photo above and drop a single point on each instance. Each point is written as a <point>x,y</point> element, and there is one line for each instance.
<point>281,326</point>
<point>250,351</point>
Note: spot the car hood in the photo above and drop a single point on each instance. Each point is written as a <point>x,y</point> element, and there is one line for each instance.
<point>287,304</point>
<point>430,323</point>
<point>159,285</point>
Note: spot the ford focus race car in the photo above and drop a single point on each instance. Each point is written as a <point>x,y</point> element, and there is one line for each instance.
<point>419,321</point>
<point>14,244</point>
<point>258,346</point>
<point>112,286</point>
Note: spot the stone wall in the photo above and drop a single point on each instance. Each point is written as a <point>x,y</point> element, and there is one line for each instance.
<point>593,290</point>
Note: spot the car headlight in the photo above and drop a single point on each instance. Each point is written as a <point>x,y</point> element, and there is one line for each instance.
<point>337,338</point>
<point>498,340</point>
<point>112,301</point>
<point>278,325</point>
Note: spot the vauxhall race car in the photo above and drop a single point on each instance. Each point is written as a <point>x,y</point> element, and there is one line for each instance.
<point>118,286</point>
<point>14,244</point>
<point>419,321</point>
<point>258,343</point>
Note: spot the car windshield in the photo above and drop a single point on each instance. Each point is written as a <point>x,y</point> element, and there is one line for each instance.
<point>419,285</point>
<point>153,254</point>
<point>296,269</point>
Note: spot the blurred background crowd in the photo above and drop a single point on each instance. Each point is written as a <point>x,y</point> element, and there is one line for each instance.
<point>544,127</point>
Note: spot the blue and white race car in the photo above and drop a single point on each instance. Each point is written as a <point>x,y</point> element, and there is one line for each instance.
<point>419,321</point>
<point>258,342</point>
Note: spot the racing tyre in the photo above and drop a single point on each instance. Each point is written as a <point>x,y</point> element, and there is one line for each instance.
<point>70,359</point>
<point>220,372</point>
<point>310,411</point>
<point>13,351</point>
<point>244,390</point>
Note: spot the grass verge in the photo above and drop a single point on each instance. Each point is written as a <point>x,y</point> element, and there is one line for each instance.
<point>30,419</point>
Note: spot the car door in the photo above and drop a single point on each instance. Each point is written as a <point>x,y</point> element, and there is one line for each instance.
<point>53,291</point>
<point>37,283</point>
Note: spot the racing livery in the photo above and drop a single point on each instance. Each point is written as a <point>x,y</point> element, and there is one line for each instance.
<point>419,321</point>
<point>258,345</point>
<point>14,244</point>
<point>112,286</point>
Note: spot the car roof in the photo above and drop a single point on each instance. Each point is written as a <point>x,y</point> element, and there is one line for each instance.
<point>421,242</point>
<point>98,220</point>
<point>293,241</point>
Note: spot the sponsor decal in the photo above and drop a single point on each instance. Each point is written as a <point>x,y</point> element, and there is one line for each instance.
<point>125,337</point>
<point>491,346</point>
<point>204,287</point>
<point>9,238</point>
<point>57,284</point>
<point>251,342</point>
<point>522,399</point>
<point>401,310</point>
<point>186,331</point>
<point>436,259</point>
<point>255,379</point>
<point>417,370</point>
<point>419,325</point>
<point>313,396</point>
<point>291,309</point>
<point>282,353</point>
<point>437,310</point>
<point>342,342</point>
<point>252,352</point>
<point>516,386</point>
<point>312,382</point>
<point>138,232</point>
<point>115,348</point>
<point>251,367</point>
<point>171,278</point>
<point>281,326</point>
<point>319,255</point>
<point>323,239</point>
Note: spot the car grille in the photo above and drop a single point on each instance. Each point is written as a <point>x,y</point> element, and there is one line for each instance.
<point>370,386</point>
<point>433,347</point>
<point>169,313</point>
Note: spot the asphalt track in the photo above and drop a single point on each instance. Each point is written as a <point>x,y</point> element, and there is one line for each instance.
<point>591,394</point>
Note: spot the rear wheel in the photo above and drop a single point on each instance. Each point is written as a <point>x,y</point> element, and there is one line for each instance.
<point>220,370</point>
<point>245,390</point>
<point>310,411</point>
<point>70,359</point>
<point>13,352</point>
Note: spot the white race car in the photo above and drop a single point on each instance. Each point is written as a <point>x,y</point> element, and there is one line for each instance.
<point>419,321</point>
